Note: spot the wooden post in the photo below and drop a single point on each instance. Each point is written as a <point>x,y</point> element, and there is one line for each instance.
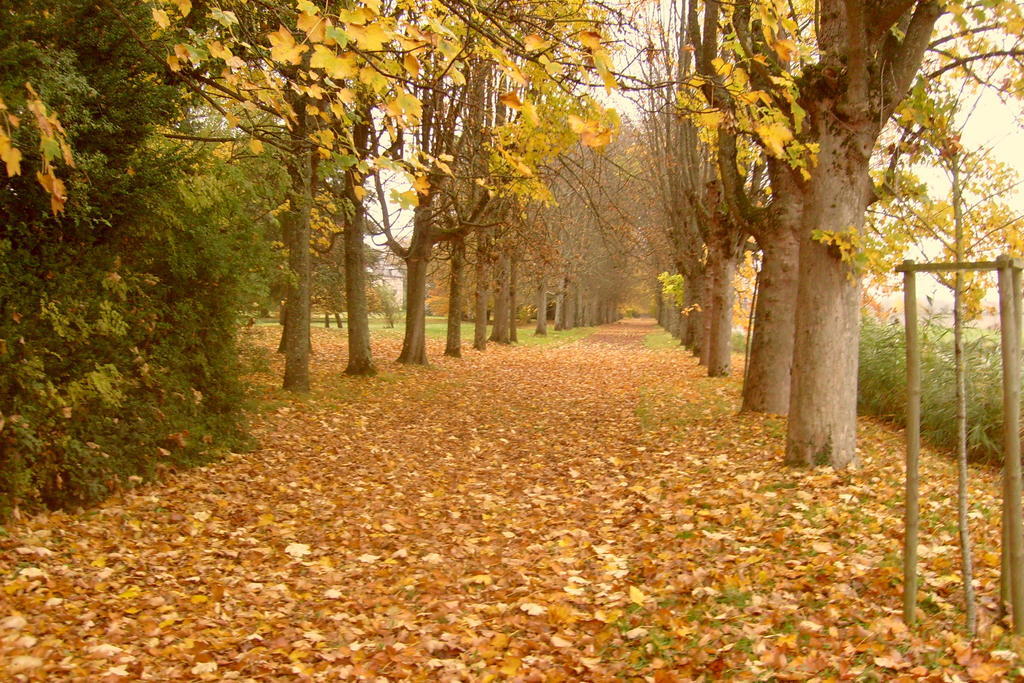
<point>912,513</point>
<point>1004,556</point>
<point>1009,301</point>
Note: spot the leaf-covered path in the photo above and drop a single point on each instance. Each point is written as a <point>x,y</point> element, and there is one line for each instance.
<point>592,511</point>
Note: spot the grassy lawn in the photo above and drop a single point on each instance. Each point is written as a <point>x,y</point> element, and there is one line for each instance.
<point>437,328</point>
<point>553,338</point>
<point>661,340</point>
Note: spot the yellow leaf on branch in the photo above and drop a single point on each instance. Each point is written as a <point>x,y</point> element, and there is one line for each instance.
<point>371,37</point>
<point>510,99</point>
<point>775,136</point>
<point>284,48</point>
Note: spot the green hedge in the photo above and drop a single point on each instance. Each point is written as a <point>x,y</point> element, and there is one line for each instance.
<point>117,318</point>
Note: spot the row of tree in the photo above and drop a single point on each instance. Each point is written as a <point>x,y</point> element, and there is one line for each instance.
<point>173,168</point>
<point>794,131</point>
<point>169,165</point>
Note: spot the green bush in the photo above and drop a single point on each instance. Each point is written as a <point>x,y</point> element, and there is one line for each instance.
<point>738,342</point>
<point>118,317</point>
<point>882,384</point>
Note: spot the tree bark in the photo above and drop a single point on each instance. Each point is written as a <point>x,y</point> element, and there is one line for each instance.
<point>296,232</point>
<point>705,319</point>
<point>771,346</point>
<point>500,329</point>
<point>360,358</point>
<point>282,318</point>
<point>513,306</point>
<point>844,122</point>
<point>725,247</point>
<point>560,304</point>
<point>692,312</point>
<point>675,321</point>
<point>767,385</point>
<point>453,344</point>
<point>414,345</point>
<point>960,380</point>
<point>542,310</point>
<point>569,307</point>
<point>823,402</point>
<point>483,292</point>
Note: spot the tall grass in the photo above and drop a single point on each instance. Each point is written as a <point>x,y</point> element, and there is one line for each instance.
<point>882,385</point>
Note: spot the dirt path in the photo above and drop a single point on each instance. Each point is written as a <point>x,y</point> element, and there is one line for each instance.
<point>587,512</point>
<point>626,333</point>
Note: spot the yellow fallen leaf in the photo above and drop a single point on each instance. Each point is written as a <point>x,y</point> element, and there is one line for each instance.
<point>297,550</point>
<point>23,663</point>
<point>533,609</point>
<point>130,592</point>
<point>636,596</point>
<point>510,666</point>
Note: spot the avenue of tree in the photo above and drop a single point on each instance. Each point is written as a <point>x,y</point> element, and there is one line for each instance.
<point>184,166</point>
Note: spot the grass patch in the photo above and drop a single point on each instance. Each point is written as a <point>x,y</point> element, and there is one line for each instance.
<point>437,328</point>
<point>661,340</point>
<point>553,337</point>
<point>882,384</point>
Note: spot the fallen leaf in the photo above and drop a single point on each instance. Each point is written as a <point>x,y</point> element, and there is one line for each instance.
<point>533,609</point>
<point>297,550</point>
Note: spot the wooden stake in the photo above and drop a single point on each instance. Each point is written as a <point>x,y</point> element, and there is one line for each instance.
<point>1004,558</point>
<point>1009,301</point>
<point>912,514</point>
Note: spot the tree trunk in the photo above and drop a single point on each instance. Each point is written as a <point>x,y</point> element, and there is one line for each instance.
<point>693,298</point>
<point>453,345</point>
<point>483,292</point>
<point>771,346</point>
<point>282,318</point>
<point>360,358</point>
<point>296,231</point>
<point>560,305</point>
<point>337,319</point>
<point>500,330</point>
<point>542,310</point>
<point>675,321</point>
<point>513,306</point>
<point>724,250</point>
<point>960,380</point>
<point>844,122</point>
<point>569,308</point>
<point>578,319</point>
<point>767,383</point>
<point>823,402</point>
<point>705,318</point>
<point>414,345</point>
